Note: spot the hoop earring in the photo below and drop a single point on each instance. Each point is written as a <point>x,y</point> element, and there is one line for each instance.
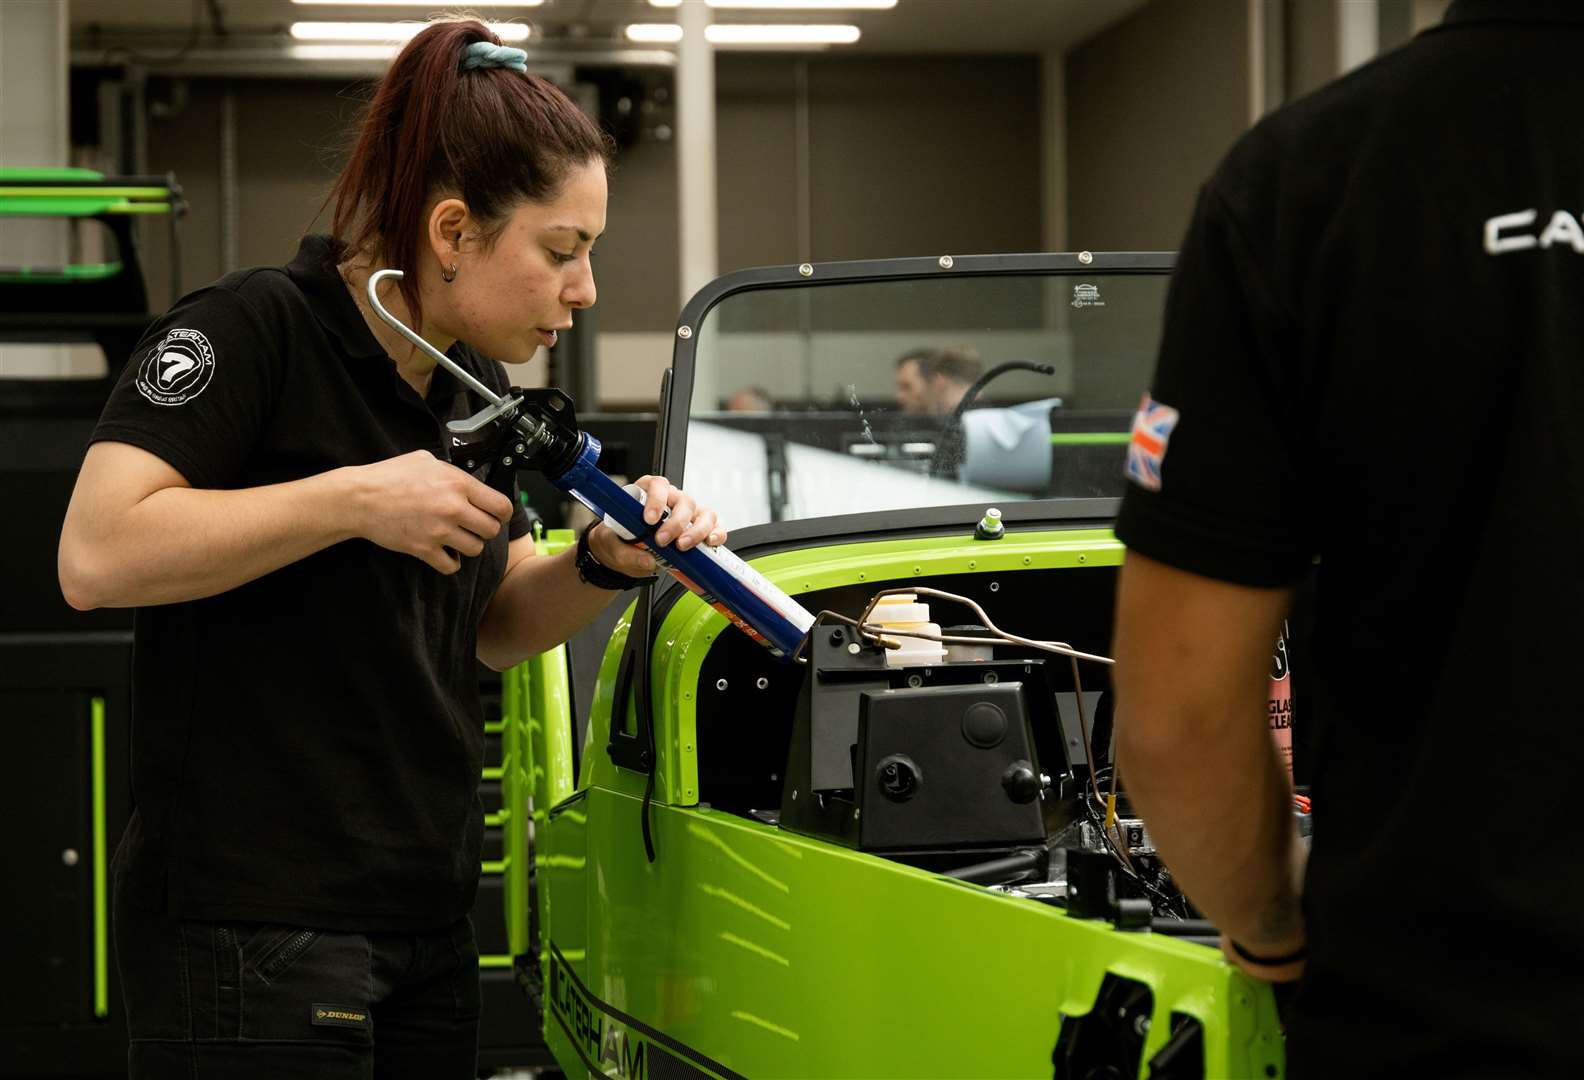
<point>449,276</point>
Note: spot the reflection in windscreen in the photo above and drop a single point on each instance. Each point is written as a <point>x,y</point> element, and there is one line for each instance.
<point>817,400</point>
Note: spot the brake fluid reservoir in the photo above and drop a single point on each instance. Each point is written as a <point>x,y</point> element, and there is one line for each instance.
<point>904,612</point>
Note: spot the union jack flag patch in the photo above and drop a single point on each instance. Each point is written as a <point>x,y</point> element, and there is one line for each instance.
<point>1152,428</point>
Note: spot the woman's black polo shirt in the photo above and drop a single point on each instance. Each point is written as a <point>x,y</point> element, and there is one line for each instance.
<point>306,747</point>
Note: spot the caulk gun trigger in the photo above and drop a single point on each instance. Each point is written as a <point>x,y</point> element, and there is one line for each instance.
<point>504,408</point>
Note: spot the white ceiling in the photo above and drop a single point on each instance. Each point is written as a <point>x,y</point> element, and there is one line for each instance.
<point>913,26</point>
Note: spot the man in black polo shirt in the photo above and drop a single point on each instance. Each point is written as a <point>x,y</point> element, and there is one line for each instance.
<point>1372,353</point>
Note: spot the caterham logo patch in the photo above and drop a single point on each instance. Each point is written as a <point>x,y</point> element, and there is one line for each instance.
<point>1152,428</point>
<point>177,369</point>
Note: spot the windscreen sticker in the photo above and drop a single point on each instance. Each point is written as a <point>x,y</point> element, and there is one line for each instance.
<point>177,369</point>
<point>1087,295</point>
<point>1152,428</point>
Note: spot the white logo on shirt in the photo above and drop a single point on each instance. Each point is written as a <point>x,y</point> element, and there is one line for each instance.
<point>173,364</point>
<point>1502,232</point>
<point>177,369</point>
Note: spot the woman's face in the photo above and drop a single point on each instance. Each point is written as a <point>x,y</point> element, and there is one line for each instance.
<point>511,297</point>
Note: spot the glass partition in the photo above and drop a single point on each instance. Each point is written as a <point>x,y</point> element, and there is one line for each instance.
<point>885,394</point>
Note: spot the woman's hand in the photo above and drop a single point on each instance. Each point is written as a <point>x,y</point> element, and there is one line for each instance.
<point>688,525</point>
<point>427,508</point>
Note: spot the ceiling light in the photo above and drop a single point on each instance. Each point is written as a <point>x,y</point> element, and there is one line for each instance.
<point>655,33</point>
<point>344,52</point>
<point>418,3</point>
<point>388,31</point>
<point>745,34</point>
<point>789,5</point>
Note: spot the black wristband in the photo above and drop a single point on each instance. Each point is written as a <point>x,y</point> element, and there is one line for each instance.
<point>1300,953</point>
<point>591,571</point>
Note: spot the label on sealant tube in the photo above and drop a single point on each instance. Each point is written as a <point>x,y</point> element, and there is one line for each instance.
<point>745,575</point>
<point>1280,702</point>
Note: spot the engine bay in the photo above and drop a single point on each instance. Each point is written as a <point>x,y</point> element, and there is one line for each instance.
<point>994,763</point>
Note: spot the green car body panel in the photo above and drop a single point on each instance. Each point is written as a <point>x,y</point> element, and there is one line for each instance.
<point>746,950</point>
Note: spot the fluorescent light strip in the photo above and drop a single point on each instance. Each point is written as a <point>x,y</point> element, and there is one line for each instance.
<point>344,52</point>
<point>746,34</point>
<point>431,4</point>
<point>804,5</point>
<point>655,33</point>
<point>789,5</point>
<point>388,31</point>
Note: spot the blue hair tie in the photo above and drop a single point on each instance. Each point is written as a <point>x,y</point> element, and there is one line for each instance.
<point>487,54</point>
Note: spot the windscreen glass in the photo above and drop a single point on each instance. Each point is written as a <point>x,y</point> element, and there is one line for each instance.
<point>890,394</point>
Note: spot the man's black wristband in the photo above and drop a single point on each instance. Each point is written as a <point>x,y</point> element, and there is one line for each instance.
<point>1300,953</point>
<point>593,572</point>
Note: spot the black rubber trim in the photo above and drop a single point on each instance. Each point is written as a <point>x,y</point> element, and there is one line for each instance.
<point>575,797</point>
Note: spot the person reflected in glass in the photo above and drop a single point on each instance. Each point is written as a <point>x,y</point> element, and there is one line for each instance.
<point>749,399</point>
<point>931,382</point>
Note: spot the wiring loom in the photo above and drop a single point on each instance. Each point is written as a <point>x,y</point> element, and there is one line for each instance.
<point>1095,804</point>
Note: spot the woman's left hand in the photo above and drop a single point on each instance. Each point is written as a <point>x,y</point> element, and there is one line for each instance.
<point>689,525</point>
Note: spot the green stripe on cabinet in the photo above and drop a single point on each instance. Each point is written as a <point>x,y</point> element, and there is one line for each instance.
<point>101,885</point>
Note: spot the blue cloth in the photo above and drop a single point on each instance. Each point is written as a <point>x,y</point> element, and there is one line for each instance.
<point>487,54</point>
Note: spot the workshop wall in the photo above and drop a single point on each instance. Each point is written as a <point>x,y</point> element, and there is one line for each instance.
<point>821,159</point>
<point>1153,103</point>
<point>1310,55</point>
<point>891,170</point>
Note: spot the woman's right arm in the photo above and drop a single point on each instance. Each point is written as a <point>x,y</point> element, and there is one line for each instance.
<point>138,534</point>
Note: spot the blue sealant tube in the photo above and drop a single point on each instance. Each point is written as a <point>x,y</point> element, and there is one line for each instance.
<point>731,586</point>
<point>735,589</point>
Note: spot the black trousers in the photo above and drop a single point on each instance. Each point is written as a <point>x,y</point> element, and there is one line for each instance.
<point>248,1000</point>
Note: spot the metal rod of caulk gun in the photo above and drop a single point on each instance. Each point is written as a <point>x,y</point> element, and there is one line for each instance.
<point>435,354</point>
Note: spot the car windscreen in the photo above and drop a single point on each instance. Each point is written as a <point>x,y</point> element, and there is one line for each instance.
<point>869,395</point>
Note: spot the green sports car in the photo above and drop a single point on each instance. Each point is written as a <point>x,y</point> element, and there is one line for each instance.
<point>904,851</point>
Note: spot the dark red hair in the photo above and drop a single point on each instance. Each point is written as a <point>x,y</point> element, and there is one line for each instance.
<point>492,137</point>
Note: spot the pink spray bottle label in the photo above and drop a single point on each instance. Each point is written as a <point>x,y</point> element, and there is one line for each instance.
<point>1281,703</point>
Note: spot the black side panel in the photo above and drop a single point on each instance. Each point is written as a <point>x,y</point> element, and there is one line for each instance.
<point>48,683</point>
<point>748,699</point>
<point>39,459</point>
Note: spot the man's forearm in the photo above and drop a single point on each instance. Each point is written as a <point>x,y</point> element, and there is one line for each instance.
<point>1193,661</point>
<point>1219,810</point>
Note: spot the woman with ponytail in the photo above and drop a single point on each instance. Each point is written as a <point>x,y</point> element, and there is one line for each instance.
<point>269,487</point>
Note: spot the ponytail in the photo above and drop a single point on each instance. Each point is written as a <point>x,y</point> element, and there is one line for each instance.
<point>488,133</point>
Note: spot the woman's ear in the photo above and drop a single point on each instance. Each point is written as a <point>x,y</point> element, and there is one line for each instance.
<point>449,222</point>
